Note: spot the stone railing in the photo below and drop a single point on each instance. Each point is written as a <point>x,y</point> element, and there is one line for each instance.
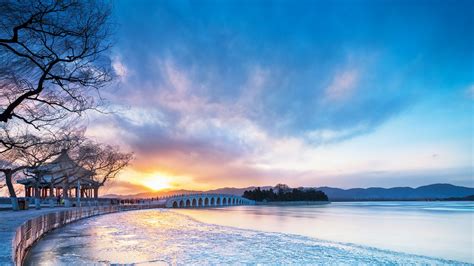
<point>32,230</point>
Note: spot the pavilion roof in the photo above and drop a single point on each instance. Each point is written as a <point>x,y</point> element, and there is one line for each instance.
<point>58,183</point>
<point>62,166</point>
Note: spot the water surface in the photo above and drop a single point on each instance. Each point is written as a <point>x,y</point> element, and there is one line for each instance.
<point>435,229</point>
<point>350,233</point>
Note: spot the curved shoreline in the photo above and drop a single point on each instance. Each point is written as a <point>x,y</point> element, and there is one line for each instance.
<point>32,230</point>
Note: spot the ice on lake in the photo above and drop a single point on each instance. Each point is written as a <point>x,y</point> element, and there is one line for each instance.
<point>164,237</point>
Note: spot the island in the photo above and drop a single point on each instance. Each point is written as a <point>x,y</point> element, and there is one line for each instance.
<point>282,194</point>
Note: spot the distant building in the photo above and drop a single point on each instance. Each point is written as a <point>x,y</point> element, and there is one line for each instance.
<point>62,177</point>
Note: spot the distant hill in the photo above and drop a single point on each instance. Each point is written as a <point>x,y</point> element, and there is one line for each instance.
<point>152,194</point>
<point>226,190</point>
<point>435,191</point>
<point>429,192</point>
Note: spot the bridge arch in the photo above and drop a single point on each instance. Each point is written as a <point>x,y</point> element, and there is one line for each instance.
<point>204,200</point>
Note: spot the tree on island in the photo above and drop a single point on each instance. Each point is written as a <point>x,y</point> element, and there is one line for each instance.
<point>285,193</point>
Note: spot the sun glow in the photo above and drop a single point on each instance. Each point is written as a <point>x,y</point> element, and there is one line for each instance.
<point>157,182</point>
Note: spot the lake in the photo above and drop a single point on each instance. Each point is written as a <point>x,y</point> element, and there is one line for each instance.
<point>340,232</point>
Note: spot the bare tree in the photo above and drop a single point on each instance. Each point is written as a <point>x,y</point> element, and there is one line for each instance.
<point>53,63</point>
<point>103,161</point>
<point>39,150</point>
<point>53,58</point>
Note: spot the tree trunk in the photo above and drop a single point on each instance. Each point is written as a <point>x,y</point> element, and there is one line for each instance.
<point>37,198</point>
<point>8,180</point>
<point>11,189</point>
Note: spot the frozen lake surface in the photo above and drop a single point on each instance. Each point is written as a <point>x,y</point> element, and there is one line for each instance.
<point>266,235</point>
<point>434,229</point>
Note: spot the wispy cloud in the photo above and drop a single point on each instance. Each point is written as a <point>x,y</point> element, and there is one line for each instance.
<point>343,85</point>
<point>220,98</point>
<point>119,67</point>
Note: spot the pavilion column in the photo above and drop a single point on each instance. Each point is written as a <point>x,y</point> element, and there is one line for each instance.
<point>37,197</point>
<point>66,192</point>
<point>51,191</point>
<point>96,192</point>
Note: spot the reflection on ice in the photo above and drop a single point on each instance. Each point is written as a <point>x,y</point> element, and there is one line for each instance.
<point>161,236</point>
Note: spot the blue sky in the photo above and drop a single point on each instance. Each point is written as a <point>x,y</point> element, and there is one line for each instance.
<point>340,93</point>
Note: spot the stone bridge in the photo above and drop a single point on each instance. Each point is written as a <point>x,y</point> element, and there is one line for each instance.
<point>205,200</point>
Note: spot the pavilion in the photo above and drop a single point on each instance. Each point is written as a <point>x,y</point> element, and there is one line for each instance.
<point>61,177</point>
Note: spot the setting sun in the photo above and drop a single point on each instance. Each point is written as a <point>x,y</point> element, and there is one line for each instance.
<point>157,182</point>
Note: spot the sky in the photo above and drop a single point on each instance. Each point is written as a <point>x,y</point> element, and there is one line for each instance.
<point>308,93</point>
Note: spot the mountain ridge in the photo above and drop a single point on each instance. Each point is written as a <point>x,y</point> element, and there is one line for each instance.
<point>426,192</point>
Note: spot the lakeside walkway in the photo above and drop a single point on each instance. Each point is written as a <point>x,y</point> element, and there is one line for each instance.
<point>19,230</point>
<point>10,221</point>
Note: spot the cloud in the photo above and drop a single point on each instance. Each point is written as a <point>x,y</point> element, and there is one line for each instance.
<point>119,67</point>
<point>343,85</point>
<point>117,186</point>
<point>180,124</point>
<point>220,97</point>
